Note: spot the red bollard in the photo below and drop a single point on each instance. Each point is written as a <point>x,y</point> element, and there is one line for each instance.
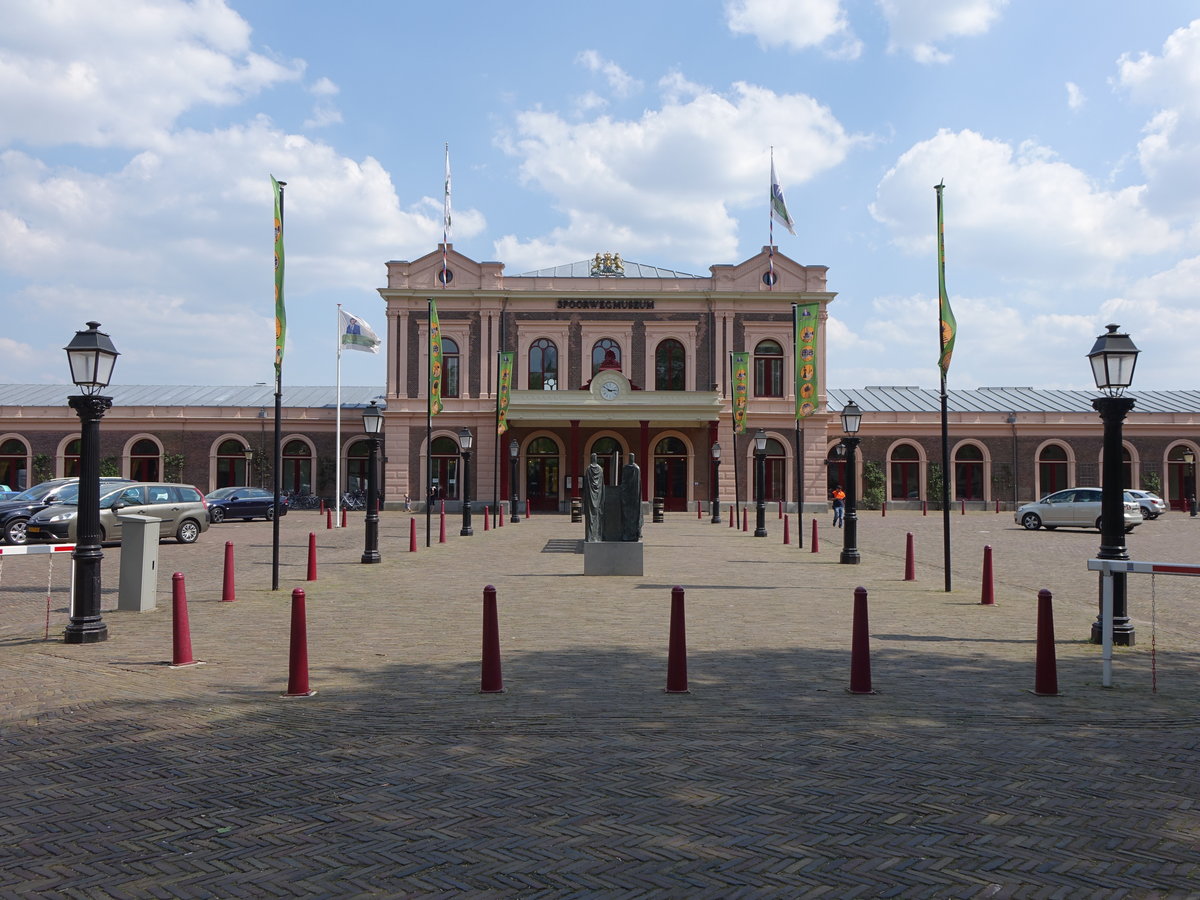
<point>781,509</point>
<point>699,515</point>
<point>490,679</point>
<point>298,650</point>
<point>343,517</point>
<point>787,534</point>
<point>910,563</point>
<point>329,518</point>
<point>312,556</point>
<point>745,518</point>
<point>924,507</point>
<point>321,508</point>
<point>997,506</point>
<point>412,535</point>
<point>988,596</point>
<point>860,647</point>
<point>883,510</point>
<point>500,517</point>
<point>227,595</point>
<point>731,516</point>
<point>181,635</point>
<point>963,501</point>
<point>528,509</point>
<point>815,545</point>
<point>1046,681</point>
<point>486,517</point>
<point>442,526</point>
<point>677,680</point>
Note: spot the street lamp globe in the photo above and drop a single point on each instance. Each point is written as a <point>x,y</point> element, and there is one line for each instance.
<point>716,451</point>
<point>465,439</point>
<point>92,356</point>
<point>1113,358</point>
<point>372,418</point>
<point>851,418</point>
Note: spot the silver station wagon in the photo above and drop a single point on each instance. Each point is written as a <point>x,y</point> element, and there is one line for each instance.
<point>180,506</point>
<point>1073,508</point>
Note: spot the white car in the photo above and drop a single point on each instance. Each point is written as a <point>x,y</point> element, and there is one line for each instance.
<point>1074,507</point>
<point>1152,505</point>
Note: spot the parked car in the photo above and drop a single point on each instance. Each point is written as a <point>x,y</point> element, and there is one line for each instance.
<point>1152,505</point>
<point>244,503</point>
<point>1073,508</point>
<point>181,508</point>
<point>15,513</point>
<point>7,493</point>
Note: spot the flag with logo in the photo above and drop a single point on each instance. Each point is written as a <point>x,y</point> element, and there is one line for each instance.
<point>947,327</point>
<point>356,334</point>
<point>779,210</point>
<point>435,360</point>
<point>740,366</point>
<point>280,312</point>
<point>806,358</point>
<point>506,367</point>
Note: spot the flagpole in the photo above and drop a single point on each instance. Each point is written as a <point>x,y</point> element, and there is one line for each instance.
<point>737,484</point>
<point>771,235</point>
<point>429,427</point>
<point>799,432</point>
<point>943,365</point>
<point>278,448</point>
<point>337,440</point>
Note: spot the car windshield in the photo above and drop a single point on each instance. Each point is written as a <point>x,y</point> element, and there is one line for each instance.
<point>38,491</point>
<point>221,493</point>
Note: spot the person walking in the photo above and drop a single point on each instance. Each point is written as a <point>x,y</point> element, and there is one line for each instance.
<point>839,505</point>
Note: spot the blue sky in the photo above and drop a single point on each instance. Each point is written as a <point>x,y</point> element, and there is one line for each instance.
<point>136,141</point>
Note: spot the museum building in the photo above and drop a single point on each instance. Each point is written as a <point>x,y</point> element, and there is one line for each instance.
<point>612,358</point>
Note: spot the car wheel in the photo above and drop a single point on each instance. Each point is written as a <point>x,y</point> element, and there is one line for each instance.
<point>189,530</point>
<point>14,531</point>
<point>217,514</point>
<point>1146,514</point>
<point>1031,521</point>
<point>270,514</point>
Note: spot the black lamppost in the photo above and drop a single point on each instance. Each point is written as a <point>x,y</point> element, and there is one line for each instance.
<point>1113,359</point>
<point>716,499</point>
<point>372,424</point>
<point>851,419</point>
<point>92,356</point>
<point>1189,487</point>
<point>514,451</point>
<point>248,452</point>
<point>465,439</point>
<point>1012,421</point>
<point>760,478</point>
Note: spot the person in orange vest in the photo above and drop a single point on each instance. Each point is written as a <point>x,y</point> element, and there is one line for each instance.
<point>839,505</point>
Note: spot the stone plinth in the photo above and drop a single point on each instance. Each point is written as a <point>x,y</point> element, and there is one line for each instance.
<point>612,557</point>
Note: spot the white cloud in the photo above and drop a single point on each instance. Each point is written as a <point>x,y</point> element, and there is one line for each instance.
<point>1075,96</point>
<point>1015,212</point>
<point>917,27</point>
<point>796,24</point>
<point>669,182</point>
<point>619,81</point>
<point>120,73</point>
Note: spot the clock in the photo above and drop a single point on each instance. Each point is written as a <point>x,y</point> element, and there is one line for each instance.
<point>609,390</point>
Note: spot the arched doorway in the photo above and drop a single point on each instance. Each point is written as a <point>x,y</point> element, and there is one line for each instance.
<point>12,465</point>
<point>1181,476</point>
<point>670,473</point>
<point>835,470</point>
<point>541,474</point>
<point>297,467</point>
<point>357,459</point>
<point>445,469</point>
<point>774,472</point>
<point>143,460</point>
<point>1052,469</point>
<point>968,473</point>
<point>608,456</point>
<point>906,473</point>
<point>231,465</point>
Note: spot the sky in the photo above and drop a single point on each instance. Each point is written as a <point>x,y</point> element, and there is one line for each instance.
<point>138,137</point>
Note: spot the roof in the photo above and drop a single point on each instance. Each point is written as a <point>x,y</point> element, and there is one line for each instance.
<point>192,395</point>
<point>583,269</point>
<point>1004,400</point>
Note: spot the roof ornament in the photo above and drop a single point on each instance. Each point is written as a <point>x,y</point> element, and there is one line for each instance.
<point>608,265</point>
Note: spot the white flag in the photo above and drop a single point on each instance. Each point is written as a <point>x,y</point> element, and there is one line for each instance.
<point>779,210</point>
<point>356,333</point>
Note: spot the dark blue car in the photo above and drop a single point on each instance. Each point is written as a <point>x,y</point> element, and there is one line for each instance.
<point>242,503</point>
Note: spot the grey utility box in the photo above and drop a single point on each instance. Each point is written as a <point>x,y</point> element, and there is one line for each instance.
<point>138,590</point>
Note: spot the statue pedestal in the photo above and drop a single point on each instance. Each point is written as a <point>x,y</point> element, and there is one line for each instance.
<point>612,557</point>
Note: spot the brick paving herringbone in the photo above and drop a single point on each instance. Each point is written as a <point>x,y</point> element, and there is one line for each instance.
<point>124,778</point>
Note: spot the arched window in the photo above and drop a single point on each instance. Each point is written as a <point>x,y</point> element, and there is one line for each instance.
<point>543,365</point>
<point>606,353</point>
<point>968,473</point>
<point>774,471</point>
<point>671,473</point>
<point>231,464</point>
<point>1052,469</point>
<point>296,474</point>
<point>71,459</point>
<point>608,455</point>
<point>450,387</point>
<point>669,368</point>
<point>768,369</point>
<point>143,460</point>
<point>1181,476</point>
<point>906,473</point>
<point>445,469</point>
<point>357,458</point>
<point>12,465</point>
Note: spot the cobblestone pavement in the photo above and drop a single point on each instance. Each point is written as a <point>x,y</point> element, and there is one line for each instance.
<point>124,777</point>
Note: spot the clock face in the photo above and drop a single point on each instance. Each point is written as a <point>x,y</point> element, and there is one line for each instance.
<point>609,390</point>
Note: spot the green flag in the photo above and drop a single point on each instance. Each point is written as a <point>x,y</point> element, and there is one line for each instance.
<point>506,367</point>
<point>280,313</point>
<point>806,357</point>
<point>947,328</point>
<point>435,360</point>
<point>740,364</point>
